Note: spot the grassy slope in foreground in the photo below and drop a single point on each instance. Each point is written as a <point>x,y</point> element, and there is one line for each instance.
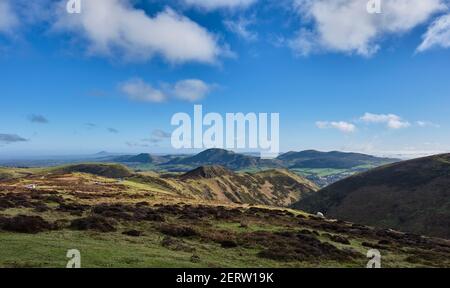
<point>91,213</point>
<point>410,196</point>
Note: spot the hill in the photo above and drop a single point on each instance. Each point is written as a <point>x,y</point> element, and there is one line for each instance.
<point>207,172</point>
<point>322,168</point>
<point>105,170</point>
<point>272,187</point>
<point>211,183</point>
<point>333,159</point>
<point>225,158</point>
<point>412,196</point>
<point>143,158</point>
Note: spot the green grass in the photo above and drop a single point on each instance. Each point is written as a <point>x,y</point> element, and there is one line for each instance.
<point>97,250</point>
<point>119,251</point>
<point>252,227</point>
<point>144,167</point>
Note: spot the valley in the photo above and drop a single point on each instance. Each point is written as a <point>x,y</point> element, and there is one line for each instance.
<point>321,168</point>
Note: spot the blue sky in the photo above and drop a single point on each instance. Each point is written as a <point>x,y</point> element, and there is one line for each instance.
<point>111,77</point>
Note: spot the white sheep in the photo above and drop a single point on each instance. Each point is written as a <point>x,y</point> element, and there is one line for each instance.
<point>320,215</point>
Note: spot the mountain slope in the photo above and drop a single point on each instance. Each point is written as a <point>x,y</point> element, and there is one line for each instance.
<point>143,158</point>
<point>224,158</point>
<point>211,183</point>
<point>334,159</point>
<point>412,196</point>
<point>105,170</point>
<point>273,187</point>
<point>206,172</point>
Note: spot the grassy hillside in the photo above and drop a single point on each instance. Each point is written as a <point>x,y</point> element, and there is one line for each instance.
<point>106,170</point>
<point>225,158</point>
<point>411,196</point>
<point>211,183</point>
<point>272,187</point>
<point>140,223</point>
<point>338,160</point>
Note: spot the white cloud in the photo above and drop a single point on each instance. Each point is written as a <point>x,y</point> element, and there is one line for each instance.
<point>240,27</point>
<point>341,126</point>
<point>138,90</point>
<point>438,34</point>
<point>8,19</point>
<point>115,27</point>
<point>191,90</point>
<point>391,120</point>
<point>218,4</point>
<point>346,26</point>
<point>425,124</point>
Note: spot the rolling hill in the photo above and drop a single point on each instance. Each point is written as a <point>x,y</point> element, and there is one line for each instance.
<point>275,187</point>
<point>322,168</point>
<point>143,158</point>
<point>333,159</point>
<point>105,170</point>
<point>412,196</point>
<point>225,158</point>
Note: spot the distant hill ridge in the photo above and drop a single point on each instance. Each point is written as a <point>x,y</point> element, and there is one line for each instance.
<point>333,159</point>
<point>236,161</point>
<point>228,159</point>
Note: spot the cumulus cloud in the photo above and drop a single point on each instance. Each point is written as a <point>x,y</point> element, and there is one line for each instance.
<point>391,120</point>
<point>8,18</point>
<point>342,126</point>
<point>36,118</point>
<point>11,138</point>
<point>138,90</point>
<point>218,4</point>
<point>346,26</point>
<point>114,27</point>
<point>438,35</point>
<point>191,90</point>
